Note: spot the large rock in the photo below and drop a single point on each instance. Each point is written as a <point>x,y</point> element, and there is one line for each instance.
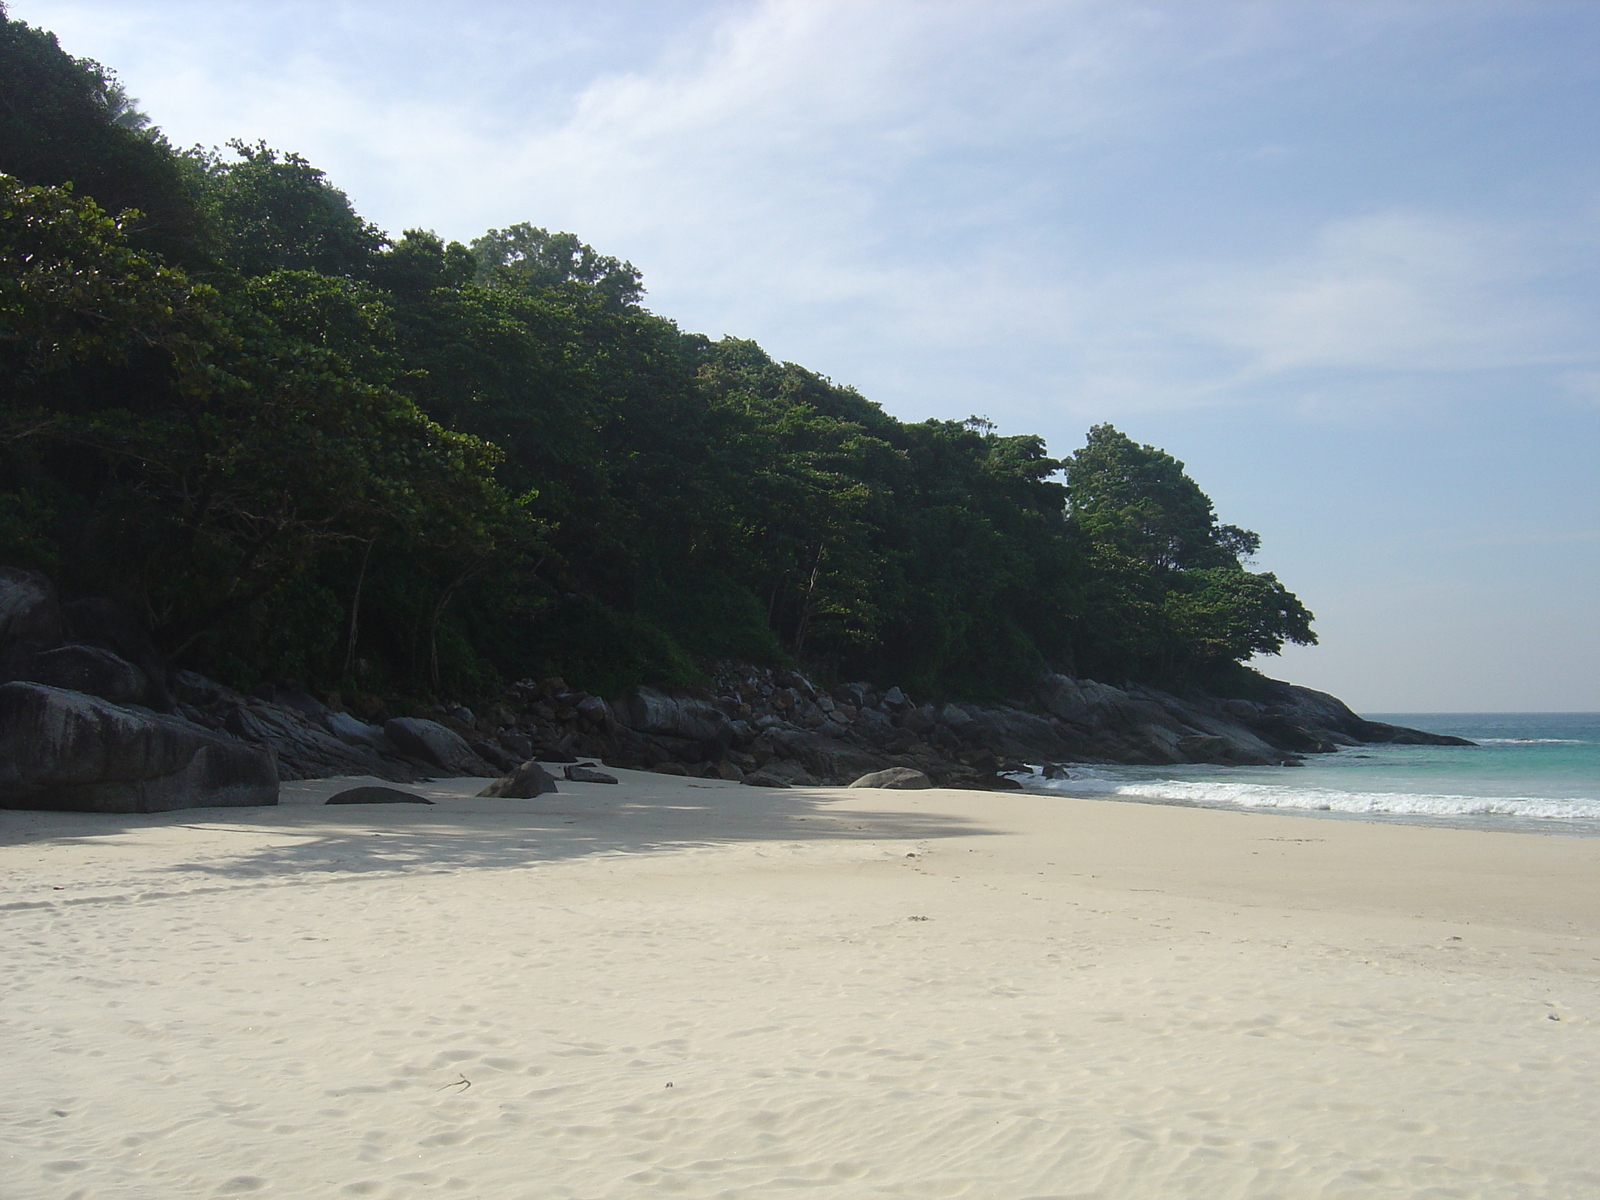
<point>88,646</point>
<point>873,724</point>
<point>826,759</point>
<point>1223,739</point>
<point>526,782</point>
<point>433,743</point>
<point>1287,707</point>
<point>1062,697</point>
<point>305,750</point>
<point>1288,735</point>
<point>66,750</point>
<point>105,623</point>
<point>1018,734</point>
<point>899,778</point>
<point>592,708</point>
<point>652,711</point>
<point>303,703</point>
<point>495,756</point>
<point>30,616</point>
<point>1307,706</point>
<point>351,731</point>
<point>1379,731</point>
<point>1085,701</point>
<point>956,717</point>
<point>89,669</point>
<point>518,745</point>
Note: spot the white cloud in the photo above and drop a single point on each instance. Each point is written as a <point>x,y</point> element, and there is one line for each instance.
<point>1394,291</point>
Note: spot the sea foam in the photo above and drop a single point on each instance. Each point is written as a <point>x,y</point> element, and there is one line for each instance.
<point>1220,794</point>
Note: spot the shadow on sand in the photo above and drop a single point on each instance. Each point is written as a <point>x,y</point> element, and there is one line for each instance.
<point>302,838</point>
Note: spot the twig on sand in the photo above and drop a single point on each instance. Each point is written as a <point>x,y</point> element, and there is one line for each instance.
<point>463,1083</point>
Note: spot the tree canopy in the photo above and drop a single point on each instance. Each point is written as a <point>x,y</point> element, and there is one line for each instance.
<point>302,448</point>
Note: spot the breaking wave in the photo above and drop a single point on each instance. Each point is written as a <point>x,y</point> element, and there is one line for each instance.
<point>1219,794</point>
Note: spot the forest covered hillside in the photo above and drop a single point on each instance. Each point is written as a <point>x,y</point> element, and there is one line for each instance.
<point>302,448</point>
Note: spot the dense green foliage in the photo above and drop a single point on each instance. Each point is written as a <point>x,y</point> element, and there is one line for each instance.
<point>301,448</point>
<point>66,120</point>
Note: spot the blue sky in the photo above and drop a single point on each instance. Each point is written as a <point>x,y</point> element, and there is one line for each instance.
<point>1339,258</point>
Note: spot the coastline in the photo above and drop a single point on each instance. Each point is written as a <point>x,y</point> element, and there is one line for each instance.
<point>921,993</point>
<point>1524,772</point>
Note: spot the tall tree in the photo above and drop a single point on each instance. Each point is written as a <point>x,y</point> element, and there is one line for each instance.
<point>275,211</point>
<point>1139,500</point>
<point>66,120</point>
<point>1166,592</point>
<point>202,447</point>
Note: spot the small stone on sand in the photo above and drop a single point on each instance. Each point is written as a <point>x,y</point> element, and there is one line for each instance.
<point>376,795</point>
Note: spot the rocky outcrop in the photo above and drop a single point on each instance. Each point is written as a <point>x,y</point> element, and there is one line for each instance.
<point>95,649</point>
<point>90,669</point>
<point>306,743</point>
<point>761,726</point>
<point>1139,724</point>
<point>78,647</point>
<point>66,750</point>
<point>764,725</point>
<point>651,711</point>
<point>433,743</point>
<point>104,624</point>
<point>30,615</point>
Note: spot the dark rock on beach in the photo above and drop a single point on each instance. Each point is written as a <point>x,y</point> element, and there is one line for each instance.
<point>100,650</point>
<point>305,746</point>
<point>651,711</point>
<point>67,750</point>
<point>376,795</point>
<point>30,615</point>
<point>496,756</point>
<point>432,742</point>
<point>526,782</point>
<point>89,669</point>
<point>765,779</point>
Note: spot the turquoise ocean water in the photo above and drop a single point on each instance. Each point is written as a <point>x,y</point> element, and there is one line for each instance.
<point>1536,772</point>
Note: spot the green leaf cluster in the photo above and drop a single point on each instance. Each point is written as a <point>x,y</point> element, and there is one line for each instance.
<point>1167,593</point>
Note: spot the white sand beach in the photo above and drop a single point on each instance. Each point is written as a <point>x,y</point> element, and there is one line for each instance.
<point>685,987</point>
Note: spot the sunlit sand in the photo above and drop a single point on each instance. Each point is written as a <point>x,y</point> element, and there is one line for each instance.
<point>694,988</point>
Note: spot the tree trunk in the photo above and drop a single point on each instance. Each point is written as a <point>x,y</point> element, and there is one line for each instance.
<point>433,624</point>
<point>355,609</point>
<point>805,608</point>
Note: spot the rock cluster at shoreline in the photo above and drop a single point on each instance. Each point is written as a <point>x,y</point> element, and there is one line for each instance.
<point>776,728</point>
<point>91,719</point>
<point>87,722</point>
